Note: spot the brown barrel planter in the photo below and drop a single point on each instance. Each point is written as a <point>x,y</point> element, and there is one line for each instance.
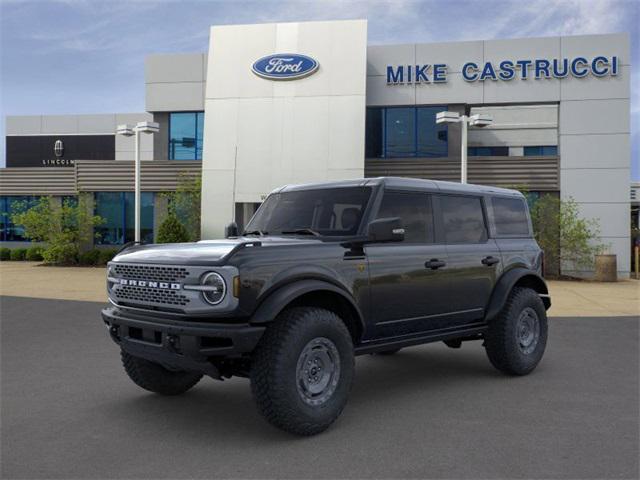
<point>606,268</point>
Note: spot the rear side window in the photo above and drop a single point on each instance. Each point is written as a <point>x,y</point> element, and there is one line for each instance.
<point>463,219</point>
<point>510,216</point>
<point>414,209</point>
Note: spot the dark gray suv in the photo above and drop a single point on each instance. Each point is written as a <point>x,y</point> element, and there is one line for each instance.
<point>325,272</point>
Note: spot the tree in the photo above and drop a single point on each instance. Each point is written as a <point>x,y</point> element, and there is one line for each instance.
<point>63,227</point>
<point>569,241</point>
<point>184,203</point>
<point>172,231</point>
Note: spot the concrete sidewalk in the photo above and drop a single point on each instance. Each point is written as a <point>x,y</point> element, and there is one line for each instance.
<point>569,298</point>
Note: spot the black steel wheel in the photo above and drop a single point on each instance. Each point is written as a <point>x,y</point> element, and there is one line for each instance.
<point>517,337</point>
<point>302,370</point>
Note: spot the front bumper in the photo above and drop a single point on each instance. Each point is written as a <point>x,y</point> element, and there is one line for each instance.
<point>178,344</point>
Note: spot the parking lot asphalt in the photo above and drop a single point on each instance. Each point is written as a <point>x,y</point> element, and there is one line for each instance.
<point>69,411</point>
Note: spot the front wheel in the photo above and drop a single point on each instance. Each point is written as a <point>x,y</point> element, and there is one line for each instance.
<point>302,370</point>
<point>517,337</point>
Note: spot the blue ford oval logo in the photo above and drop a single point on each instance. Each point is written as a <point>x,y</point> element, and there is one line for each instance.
<point>284,66</point>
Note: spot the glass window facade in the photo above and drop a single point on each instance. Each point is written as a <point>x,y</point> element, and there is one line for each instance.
<point>185,135</point>
<point>117,209</point>
<point>397,132</point>
<point>541,151</point>
<point>9,232</point>
<point>488,151</point>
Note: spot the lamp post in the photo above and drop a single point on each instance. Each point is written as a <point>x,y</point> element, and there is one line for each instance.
<point>128,131</point>
<point>477,120</point>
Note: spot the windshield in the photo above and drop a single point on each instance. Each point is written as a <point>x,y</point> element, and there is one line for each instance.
<point>328,211</point>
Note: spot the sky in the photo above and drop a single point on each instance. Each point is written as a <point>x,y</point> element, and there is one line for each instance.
<point>87,56</point>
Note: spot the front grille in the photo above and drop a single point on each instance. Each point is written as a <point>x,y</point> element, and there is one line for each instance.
<point>151,272</point>
<point>150,295</point>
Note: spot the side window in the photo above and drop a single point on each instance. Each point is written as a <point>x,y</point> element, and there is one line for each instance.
<point>510,216</point>
<point>463,219</point>
<point>414,209</point>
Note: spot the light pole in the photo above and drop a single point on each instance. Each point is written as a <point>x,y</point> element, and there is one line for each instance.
<point>477,120</point>
<point>128,131</point>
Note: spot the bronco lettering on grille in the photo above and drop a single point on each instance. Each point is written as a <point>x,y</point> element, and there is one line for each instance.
<point>150,284</point>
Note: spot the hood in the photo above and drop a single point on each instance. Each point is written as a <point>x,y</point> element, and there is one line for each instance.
<point>205,252</point>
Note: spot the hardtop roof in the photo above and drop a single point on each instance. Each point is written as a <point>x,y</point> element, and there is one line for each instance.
<point>408,183</point>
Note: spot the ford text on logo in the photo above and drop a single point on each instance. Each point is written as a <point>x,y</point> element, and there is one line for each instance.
<point>285,66</point>
<point>149,284</point>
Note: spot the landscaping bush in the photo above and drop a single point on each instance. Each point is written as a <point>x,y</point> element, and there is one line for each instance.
<point>64,227</point>
<point>90,257</point>
<point>18,254</point>
<point>65,254</point>
<point>106,256</point>
<point>5,254</point>
<point>34,254</point>
<point>172,231</point>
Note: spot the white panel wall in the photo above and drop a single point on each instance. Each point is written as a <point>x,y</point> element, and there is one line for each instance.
<point>517,126</point>
<point>261,134</point>
<point>175,82</point>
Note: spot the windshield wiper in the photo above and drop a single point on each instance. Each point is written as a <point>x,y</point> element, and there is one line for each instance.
<point>254,232</point>
<point>302,231</point>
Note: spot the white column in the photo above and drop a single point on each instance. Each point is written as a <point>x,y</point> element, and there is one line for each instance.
<point>463,153</point>
<point>137,187</point>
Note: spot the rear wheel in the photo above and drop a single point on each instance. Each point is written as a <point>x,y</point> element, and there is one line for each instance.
<point>302,370</point>
<point>517,337</point>
<point>155,378</point>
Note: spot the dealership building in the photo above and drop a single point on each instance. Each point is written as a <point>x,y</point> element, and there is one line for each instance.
<point>274,104</point>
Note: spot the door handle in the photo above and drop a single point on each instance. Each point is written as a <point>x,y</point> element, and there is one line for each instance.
<point>488,261</point>
<point>434,264</point>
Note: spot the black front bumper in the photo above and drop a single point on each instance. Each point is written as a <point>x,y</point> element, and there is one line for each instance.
<point>178,344</point>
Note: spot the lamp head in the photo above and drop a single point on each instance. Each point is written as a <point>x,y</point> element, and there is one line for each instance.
<point>447,117</point>
<point>480,120</point>
<point>124,129</point>
<point>148,127</point>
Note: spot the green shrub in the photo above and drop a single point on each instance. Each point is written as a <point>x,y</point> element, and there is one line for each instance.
<point>65,254</point>
<point>106,256</point>
<point>63,227</point>
<point>90,257</point>
<point>5,254</point>
<point>172,231</point>
<point>34,254</point>
<point>18,254</point>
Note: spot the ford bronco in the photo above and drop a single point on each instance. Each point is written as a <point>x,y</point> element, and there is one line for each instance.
<point>325,272</point>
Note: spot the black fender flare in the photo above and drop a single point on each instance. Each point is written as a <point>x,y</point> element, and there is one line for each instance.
<point>505,284</point>
<point>282,296</point>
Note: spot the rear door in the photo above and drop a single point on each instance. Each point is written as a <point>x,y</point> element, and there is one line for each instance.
<point>474,259</point>
<point>407,296</point>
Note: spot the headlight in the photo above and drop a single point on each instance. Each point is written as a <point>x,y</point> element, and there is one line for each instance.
<point>215,288</point>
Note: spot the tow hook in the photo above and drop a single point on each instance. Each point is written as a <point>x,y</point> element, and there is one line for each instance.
<point>172,343</point>
<point>114,331</point>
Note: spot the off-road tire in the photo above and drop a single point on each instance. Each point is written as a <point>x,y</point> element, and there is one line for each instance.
<point>275,381</point>
<point>502,341</point>
<point>155,378</point>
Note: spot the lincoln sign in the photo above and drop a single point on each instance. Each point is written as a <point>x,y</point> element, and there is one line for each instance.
<point>506,70</point>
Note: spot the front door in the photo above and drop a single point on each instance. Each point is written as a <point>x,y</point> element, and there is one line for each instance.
<point>407,279</point>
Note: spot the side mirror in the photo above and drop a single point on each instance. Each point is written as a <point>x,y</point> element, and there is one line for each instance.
<point>385,230</point>
<point>231,230</point>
